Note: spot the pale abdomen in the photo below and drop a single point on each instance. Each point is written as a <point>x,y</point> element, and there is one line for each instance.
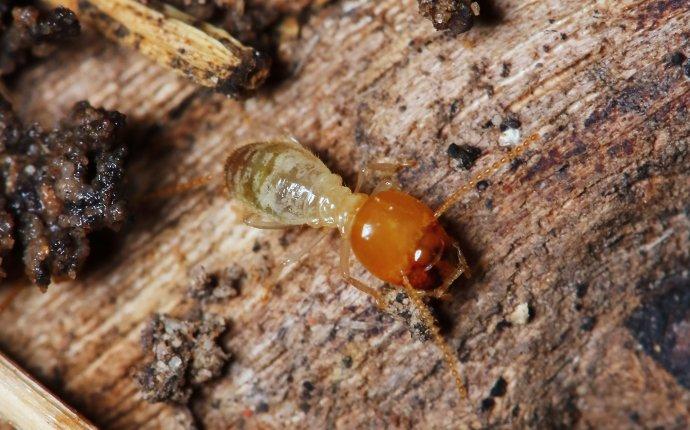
<point>285,183</point>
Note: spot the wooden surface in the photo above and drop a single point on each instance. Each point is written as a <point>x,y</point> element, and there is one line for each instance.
<point>592,231</point>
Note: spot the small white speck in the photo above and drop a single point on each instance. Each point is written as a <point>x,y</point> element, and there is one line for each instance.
<point>510,137</point>
<point>520,316</point>
<point>175,362</point>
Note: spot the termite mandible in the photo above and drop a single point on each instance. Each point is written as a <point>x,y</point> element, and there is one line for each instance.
<point>395,236</point>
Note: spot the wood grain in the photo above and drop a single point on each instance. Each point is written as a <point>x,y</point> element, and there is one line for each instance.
<point>591,230</point>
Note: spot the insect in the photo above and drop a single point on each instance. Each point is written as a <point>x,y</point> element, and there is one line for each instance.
<point>395,236</point>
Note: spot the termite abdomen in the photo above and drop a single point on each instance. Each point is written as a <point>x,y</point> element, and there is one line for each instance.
<point>284,183</point>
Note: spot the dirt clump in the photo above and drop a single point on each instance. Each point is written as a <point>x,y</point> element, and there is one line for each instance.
<point>26,32</point>
<point>185,356</point>
<point>454,16</point>
<point>59,186</point>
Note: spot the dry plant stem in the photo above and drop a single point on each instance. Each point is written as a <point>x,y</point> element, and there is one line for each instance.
<point>204,53</point>
<point>430,321</point>
<point>25,404</point>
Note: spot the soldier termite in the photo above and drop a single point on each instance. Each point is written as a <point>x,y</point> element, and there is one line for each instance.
<point>393,235</point>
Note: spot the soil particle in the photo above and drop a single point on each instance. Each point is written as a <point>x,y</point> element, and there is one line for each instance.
<point>60,186</point>
<point>466,155</point>
<point>454,16</point>
<point>487,404</point>
<point>581,290</point>
<point>505,70</point>
<point>26,31</point>
<point>307,390</point>
<point>510,131</point>
<point>588,323</point>
<point>521,315</point>
<point>262,407</point>
<point>510,122</point>
<point>482,185</point>
<point>214,286</point>
<point>677,58</point>
<point>500,388</point>
<point>185,356</point>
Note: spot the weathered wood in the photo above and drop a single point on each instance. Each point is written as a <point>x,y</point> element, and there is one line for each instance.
<point>592,230</point>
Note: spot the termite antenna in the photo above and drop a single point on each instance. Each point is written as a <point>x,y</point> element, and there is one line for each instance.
<point>485,173</point>
<point>430,322</point>
<point>178,188</point>
<point>175,189</point>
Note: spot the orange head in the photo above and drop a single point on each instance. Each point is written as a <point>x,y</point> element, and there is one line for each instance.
<point>395,235</point>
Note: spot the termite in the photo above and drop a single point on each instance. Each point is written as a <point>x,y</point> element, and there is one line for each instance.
<point>394,235</point>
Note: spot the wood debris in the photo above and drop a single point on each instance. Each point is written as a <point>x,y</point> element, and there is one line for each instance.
<point>204,53</point>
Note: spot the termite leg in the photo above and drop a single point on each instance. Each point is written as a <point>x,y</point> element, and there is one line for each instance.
<point>430,322</point>
<point>464,267</point>
<point>386,169</point>
<point>347,275</point>
<point>290,262</point>
<point>256,221</point>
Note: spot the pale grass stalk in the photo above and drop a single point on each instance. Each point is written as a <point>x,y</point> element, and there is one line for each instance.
<point>26,404</point>
<point>206,54</point>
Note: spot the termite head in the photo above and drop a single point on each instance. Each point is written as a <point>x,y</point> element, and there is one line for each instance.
<point>394,235</point>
